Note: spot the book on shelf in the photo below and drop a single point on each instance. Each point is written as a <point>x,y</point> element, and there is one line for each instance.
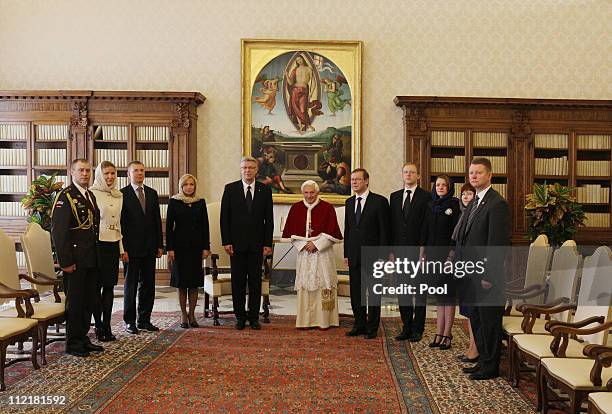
<point>21,259</point>
<point>14,183</point>
<point>596,142</point>
<point>448,138</point>
<point>152,133</point>
<point>597,219</point>
<point>163,211</point>
<point>454,164</point>
<point>51,132</point>
<point>12,208</point>
<point>160,184</point>
<point>16,132</point>
<point>111,133</point>
<point>593,168</point>
<point>551,166</point>
<point>554,141</point>
<point>153,158</point>
<point>161,263</point>
<point>501,188</point>
<point>51,156</point>
<point>490,139</point>
<point>13,156</point>
<point>592,193</point>
<point>116,156</point>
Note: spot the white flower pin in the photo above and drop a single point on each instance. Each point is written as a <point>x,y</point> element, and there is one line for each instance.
<point>448,211</point>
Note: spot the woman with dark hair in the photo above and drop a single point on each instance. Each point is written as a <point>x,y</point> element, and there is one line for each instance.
<point>442,218</point>
<point>467,194</point>
<point>110,247</point>
<point>187,242</point>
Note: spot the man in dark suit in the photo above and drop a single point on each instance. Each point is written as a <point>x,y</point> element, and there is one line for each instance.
<point>143,243</point>
<point>75,224</point>
<point>483,236</point>
<point>366,223</point>
<point>247,223</point>
<point>408,212</point>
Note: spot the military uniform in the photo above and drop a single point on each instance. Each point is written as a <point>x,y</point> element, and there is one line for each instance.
<point>75,222</point>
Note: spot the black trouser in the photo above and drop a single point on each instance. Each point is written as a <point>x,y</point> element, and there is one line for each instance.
<point>139,278</point>
<point>246,270</point>
<point>108,268</point>
<point>413,315</point>
<point>104,310</point>
<point>367,318</point>
<point>80,301</point>
<point>486,322</point>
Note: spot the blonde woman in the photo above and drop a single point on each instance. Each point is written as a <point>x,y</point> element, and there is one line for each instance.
<point>110,247</point>
<point>187,242</point>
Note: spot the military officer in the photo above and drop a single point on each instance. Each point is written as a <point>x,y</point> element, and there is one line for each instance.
<point>75,221</point>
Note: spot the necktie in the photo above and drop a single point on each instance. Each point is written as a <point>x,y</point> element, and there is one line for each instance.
<point>406,205</point>
<point>88,198</point>
<point>141,198</point>
<point>358,211</point>
<point>249,199</point>
<point>472,213</point>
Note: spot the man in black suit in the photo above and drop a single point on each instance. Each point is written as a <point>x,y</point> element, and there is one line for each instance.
<point>143,243</point>
<point>366,223</point>
<point>247,223</point>
<point>483,236</point>
<point>75,224</point>
<point>408,212</point>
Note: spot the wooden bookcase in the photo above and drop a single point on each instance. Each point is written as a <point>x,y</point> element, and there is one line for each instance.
<point>42,131</point>
<point>528,140</point>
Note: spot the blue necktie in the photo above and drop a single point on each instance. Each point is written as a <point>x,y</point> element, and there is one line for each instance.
<point>358,211</point>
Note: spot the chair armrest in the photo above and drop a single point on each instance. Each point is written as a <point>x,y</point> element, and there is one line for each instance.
<point>526,294</point>
<point>593,319</point>
<point>602,360</point>
<point>514,282</point>
<point>19,295</point>
<point>50,279</point>
<point>554,303</point>
<point>569,330</point>
<point>523,290</point>
<point>539,310</point>
<point>593,350</point>
<point>215,270</point>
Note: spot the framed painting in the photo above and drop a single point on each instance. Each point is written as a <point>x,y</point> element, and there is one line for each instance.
<point>301,114</point>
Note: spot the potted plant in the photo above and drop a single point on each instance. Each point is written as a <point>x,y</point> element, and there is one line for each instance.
<point>552,210</point>
<point>39,200</point>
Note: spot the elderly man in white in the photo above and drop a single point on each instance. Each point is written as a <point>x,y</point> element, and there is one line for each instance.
<point>312,228</point>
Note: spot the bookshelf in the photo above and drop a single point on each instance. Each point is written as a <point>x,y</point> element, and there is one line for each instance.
<point>527,140</point>
<point>42,131</point>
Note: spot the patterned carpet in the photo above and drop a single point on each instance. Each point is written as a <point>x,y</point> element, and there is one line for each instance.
<point>277,369</point>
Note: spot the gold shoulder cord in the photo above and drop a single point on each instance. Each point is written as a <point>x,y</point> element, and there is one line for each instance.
<point>82,225</point>
<point>55,201</point>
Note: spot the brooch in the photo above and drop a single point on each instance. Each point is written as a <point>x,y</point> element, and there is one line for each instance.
<point>448,211</point>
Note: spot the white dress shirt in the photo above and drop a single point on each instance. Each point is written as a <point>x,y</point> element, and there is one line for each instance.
<point>412,190</point>
<point>364,197</point>
<point>244,188</point>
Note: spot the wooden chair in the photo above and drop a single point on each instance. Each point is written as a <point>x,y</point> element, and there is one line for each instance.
<point>533,284</point>
<point>601,402</point>
<point>564,277</point>
<point>590,312</point>
<point>217,276</point>
<point>46,313</point>
<point>575,377</point>
<point>16,327</point>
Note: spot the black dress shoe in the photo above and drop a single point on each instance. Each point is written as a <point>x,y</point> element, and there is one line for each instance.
<point>148,327</point>
<point>255,325</point>
<point>240,325</point>
<point>416,337</point>
<point>355,332</point>
<point>110,336</point>
<point>471,370</point>
<point>131,328</point>
<point>404,335</point>
<point>434,343</point>
<point>370,335</point>
<point>194,324</point>
<point>479,376</point>
<point>468,360</point>
<point>77,353</point>
<point>93,348</point>
<point>184,325</point>
<point>101,335</point>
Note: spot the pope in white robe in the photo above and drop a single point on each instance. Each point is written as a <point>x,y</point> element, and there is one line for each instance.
<point>312,228</point>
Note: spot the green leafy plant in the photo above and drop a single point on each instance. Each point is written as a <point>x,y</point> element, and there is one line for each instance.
<point>553,210</point>
<point>39,200</point>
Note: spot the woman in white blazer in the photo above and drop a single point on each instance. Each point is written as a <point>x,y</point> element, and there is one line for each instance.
<point>110,247</point>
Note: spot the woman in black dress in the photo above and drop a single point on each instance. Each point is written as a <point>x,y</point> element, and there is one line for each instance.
<point>442,218</point>
<point>471,355</point>
<point>187,243</point>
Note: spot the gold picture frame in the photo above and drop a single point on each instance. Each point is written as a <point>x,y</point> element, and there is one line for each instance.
<point>301,114</point>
